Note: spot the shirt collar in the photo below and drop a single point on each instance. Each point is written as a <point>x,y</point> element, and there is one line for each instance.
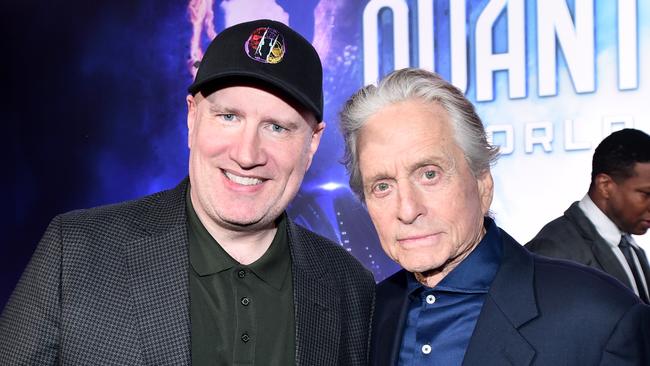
<point>273,266</point>
<point>477,271</point>
<point>208,257</point>
<point>604,226</point>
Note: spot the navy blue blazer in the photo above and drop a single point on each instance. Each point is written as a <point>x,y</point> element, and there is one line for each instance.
<point>538,311</point>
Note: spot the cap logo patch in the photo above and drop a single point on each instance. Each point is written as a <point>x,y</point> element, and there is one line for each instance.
<point>265,45</point>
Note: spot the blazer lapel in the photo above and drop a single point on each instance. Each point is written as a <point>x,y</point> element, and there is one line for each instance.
<point>157,266</point>
<point>510,304</point>
<point>316,305</point>
<point>609,262</point>
<point>496,341</point>
<point>600,249</point>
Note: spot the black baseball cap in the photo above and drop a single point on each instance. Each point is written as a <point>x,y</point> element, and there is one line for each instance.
<point>268,51</point>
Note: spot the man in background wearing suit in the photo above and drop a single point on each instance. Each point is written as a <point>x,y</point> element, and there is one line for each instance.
<point>469,294</point>
<point>595,231</point>
<point>212,272</point>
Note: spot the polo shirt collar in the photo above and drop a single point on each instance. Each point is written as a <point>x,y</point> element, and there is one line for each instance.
<point>208,257</point>
<point>272,267</point>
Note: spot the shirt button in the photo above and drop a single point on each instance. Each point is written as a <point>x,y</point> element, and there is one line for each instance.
<point>245,301</point>
<point>245,338</point>
<point>431,299</point>
<point>426,349</point>
<point>241,273</point>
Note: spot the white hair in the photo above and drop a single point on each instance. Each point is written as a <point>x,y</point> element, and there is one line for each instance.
<point>415,84</point>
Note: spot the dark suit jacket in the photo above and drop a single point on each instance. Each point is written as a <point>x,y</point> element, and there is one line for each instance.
<point>538,311</point>
<point>573,237</point>
<point>109,286</point>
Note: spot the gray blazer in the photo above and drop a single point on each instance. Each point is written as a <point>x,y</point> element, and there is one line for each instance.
<point>109,286</point>
<point>573,237</point>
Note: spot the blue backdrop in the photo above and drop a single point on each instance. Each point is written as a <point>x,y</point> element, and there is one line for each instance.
<point>93,98</point>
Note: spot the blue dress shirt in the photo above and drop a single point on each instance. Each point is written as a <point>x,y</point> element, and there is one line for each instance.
<point>440,320</point>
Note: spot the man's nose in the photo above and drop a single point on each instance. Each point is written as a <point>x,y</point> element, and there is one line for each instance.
<point>248,151</point>
<point>410,205</point>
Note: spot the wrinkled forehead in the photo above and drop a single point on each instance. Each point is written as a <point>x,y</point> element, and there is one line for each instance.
<point>414,118</point>
<point>408,132</point>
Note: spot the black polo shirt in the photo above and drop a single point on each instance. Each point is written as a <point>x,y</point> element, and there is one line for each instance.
<point>240,315</point>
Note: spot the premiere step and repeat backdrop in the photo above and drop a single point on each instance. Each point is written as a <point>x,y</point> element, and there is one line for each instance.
<point>95,100</point>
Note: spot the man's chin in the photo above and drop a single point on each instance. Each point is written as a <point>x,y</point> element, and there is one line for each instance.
<point>424,268</point>
<point>247,223</point>
<point>244,224</point>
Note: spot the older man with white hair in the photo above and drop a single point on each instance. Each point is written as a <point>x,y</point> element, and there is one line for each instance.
<point>468,293</point>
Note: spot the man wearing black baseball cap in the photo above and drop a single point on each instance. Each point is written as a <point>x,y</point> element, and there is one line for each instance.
<point>212,271</point>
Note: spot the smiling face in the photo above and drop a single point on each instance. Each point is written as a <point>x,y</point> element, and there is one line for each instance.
<point>425,203</point>
<point>249,151</point>
<point>627,201</point>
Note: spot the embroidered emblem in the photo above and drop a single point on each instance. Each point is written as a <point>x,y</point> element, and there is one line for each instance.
<point>265,45</point>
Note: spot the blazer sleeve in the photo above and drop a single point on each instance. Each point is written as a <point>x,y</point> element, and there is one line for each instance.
<point>30,322</point>
<point>629,343</point>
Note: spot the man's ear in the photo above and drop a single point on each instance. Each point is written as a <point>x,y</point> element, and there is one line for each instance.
<point>604,184</point>
<point>315,141</point>
<point>485,190</point>
<point>191,118</point>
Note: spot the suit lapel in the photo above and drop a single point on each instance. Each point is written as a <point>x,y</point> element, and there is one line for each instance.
<point>600,249</point>
<point>157,265</point>
<point>510,304</point>
<point>316,304</point>
<point>496,341</point>
<point>609,262</point>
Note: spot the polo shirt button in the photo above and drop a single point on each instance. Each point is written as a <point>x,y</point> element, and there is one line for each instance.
<point>245,301</point>
<point>241,273</point>
<point>245,337</point>
<point>426,349</point>
<point>431,299</point>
